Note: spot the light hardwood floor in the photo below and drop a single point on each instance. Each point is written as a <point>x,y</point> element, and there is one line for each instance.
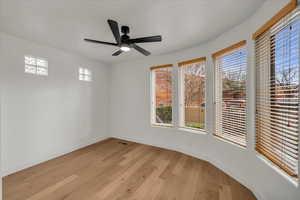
<point>111,170</point>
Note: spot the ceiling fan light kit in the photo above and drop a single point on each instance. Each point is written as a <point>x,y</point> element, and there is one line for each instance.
<point>125,48</point>
<point>124,42</point>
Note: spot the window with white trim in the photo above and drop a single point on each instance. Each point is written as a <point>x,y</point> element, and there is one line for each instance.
<point>161,93</point>
<point>34,65</point>
<point>84,74</point>
<point>192,94</point>
<point>230,93</point>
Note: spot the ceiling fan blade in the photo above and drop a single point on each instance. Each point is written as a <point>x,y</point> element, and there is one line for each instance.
<point>100,42</point>
<point>156,38</point>
<point>115,30</point>
<point>141,50</point>
<point>117,53</point>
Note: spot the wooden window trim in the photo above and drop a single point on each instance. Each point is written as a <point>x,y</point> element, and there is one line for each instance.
<point>276,18</point>
<point>274,160</point>
<point>161,66</point>
<point>230,48</point>
<point>187,62</point>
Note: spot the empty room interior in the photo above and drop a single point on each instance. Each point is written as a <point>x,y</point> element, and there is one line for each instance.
<point>149,99</point>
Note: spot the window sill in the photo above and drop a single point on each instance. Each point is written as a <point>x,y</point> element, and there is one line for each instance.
<point>191,130</point>
<point>230,142</point>
<point>155,125</point>
<point>290,179</point>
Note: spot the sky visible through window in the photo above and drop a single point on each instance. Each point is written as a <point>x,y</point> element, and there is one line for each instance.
<point>287,54</point>
<point>284,94</point>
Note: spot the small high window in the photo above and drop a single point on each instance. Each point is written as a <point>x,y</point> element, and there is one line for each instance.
<point>38,66</point>
<point>85,74</point>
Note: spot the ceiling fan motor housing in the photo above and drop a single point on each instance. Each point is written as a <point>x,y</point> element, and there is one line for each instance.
<point>125,29</point>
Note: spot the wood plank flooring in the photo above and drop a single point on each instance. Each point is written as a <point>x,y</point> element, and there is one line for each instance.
<point>111,170</point>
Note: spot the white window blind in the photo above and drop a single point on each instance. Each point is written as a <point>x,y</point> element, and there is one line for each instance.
<point>230,95</point>
<point>38,66</point>
<point>161,95</point>
<point>192,94</point>
<point>277,93</point>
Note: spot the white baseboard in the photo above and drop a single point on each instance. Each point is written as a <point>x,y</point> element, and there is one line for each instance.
<point>39,161</point>
<point>216,163</point>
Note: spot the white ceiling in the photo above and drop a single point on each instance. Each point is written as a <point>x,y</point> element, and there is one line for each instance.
<point>64,23</point>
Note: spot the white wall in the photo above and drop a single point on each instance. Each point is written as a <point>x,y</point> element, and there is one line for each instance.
<point>130,113</point>
<point>0,143</point>
<point>43,117</point>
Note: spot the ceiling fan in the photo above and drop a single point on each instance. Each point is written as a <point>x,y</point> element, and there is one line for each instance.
<point>124,42</point>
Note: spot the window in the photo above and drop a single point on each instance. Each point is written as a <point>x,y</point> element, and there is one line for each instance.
<point>277,93</point>
<point>161,95</point>
<point>230,93</point>
<point>36,66</point>
<point>85,74</point>
<point>192,94</point>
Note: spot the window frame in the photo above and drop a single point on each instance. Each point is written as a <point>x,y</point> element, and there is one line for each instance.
<point>226,51</point>
<point>261,155</point>
<point>181,96</point>
<point>153,96</point>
